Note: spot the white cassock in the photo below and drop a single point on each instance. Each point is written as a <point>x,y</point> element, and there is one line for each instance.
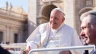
<point>45,37</point>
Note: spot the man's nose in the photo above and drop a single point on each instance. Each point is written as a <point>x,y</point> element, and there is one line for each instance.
<point>82,34</point>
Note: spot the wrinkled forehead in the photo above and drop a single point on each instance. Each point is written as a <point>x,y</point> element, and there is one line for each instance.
<point>85,21</point>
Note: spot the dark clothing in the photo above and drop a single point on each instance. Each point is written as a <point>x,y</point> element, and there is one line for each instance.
<point>3,51</point>
<point>94,52</point>
<point>86,52</point>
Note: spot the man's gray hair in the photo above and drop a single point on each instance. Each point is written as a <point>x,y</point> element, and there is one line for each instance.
<point>92,13</point>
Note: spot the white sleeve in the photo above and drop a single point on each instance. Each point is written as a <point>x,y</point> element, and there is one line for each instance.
<point>34,39</point>
<point>32,45</point>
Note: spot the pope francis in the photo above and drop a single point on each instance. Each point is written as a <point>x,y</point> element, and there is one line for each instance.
<point>54,34</point>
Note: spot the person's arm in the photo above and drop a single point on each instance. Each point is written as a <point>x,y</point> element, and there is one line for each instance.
<point>33,41</point>
<point>31,45</point>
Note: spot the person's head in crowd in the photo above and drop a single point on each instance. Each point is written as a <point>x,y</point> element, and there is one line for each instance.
<point>56,18</point>
<point>88,27</point>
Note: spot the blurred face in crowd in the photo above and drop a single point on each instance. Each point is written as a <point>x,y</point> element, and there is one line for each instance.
<point>56,19</point>
<point>88,30</point>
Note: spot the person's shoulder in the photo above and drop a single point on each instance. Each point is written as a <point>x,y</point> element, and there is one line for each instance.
<point>44,24</point>
<point>67,26</point>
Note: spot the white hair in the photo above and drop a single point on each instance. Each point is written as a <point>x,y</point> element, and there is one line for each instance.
<point>92,13</point>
